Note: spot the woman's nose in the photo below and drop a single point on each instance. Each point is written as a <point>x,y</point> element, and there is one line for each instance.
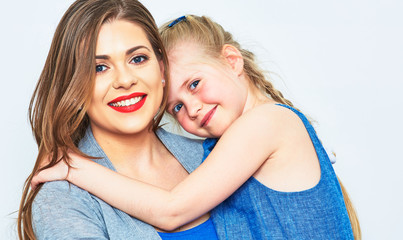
<point>125,78</point>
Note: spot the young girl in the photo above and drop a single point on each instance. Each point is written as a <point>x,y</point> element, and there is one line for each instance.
<point>268,157</point>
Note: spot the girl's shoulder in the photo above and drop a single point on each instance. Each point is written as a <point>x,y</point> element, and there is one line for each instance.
<point>269,124</point>
<point>272,116</point>
<point>290,150</point>
<point>273,122</point>
<point>275,109</point>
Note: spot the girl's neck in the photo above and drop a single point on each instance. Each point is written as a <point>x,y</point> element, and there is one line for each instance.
<point>255,97</point>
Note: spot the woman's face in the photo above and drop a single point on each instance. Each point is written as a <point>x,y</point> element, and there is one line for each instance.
<point>128,85</point>
<point>205,97</point>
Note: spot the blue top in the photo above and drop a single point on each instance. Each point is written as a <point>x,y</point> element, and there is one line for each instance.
<point>203,231</point>
<point>64,211</point>
<point>255,211</point>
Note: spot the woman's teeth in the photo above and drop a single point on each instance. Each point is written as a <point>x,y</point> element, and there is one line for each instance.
<point>127,102</point>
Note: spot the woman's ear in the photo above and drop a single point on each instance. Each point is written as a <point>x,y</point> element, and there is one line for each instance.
<point>162,70</point>
<point>233,57</point>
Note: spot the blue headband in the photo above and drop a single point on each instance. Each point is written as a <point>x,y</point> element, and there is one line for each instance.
<point>179,19</point>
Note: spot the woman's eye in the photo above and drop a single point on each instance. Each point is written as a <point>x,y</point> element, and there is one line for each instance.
<point>139,59</point>
<point>177,108</point>
<point>100,68</point>
<point>194,84</point>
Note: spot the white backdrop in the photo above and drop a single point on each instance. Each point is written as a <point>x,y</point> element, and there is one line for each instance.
<point>341,62</point>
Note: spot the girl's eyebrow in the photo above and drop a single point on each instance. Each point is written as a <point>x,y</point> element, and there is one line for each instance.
<point>189,78</point>
<point>169,105</point>
<point>128,52</point>
<point>184,84</point>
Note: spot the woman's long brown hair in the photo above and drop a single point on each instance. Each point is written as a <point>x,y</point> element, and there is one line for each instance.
<point>57,111</point>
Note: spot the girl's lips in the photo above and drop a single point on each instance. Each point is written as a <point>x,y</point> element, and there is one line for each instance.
<point>208,117</point>
<point>129,103</point>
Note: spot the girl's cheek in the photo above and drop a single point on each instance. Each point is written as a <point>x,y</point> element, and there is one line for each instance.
<point>182,122</point>
<point>188,127</point>
<point>206,93</point>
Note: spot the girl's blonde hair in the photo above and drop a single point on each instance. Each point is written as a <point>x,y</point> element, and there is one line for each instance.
<point>212,37</point>
<point>57,111</point>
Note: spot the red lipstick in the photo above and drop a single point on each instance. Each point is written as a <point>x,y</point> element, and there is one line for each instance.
<point>207,117</point>
<point>128,103</point>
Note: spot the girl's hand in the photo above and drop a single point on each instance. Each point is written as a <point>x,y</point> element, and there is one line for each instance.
<point>54,173</point>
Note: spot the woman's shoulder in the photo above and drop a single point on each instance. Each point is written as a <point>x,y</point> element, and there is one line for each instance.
<point>59,207</point>
<point>188,151</point>
<point>55,194</point>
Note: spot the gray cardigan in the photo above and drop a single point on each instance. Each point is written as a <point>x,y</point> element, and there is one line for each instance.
<point>64,211</point>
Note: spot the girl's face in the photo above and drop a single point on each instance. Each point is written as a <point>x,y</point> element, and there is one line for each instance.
<point>128,85</point>
<point>205,96</point>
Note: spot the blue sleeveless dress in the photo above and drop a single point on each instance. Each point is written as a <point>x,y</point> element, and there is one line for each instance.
<point>255,211</point>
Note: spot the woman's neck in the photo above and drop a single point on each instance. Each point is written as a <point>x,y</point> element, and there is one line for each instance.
<point>129,151</point>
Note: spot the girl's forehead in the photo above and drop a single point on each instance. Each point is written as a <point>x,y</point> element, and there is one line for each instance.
<point>189,55</point>
<point>189,49</point>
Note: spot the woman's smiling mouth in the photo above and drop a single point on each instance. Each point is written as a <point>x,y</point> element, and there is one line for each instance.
<point>129,103</point>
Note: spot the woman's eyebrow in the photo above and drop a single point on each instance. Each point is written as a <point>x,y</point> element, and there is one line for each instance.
<point>128,52</point>
<point>104,57</point>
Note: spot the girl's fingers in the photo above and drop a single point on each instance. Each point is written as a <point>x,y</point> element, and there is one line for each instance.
<point>55,173</point>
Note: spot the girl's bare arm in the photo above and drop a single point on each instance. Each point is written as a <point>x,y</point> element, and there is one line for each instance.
<point>244,147</point>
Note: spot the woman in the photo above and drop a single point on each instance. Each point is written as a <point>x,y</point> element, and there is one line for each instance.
<point>102,94</point>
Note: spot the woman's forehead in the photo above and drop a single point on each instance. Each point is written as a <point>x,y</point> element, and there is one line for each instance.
<point>118,35</point>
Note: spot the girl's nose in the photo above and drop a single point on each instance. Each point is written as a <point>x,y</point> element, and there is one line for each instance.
<point>194,109</point>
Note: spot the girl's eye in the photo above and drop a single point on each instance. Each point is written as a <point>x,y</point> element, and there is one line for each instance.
<point>177,108</point>
<point>194,84</point>
<point>100,68</point>
<point>139,59</point>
